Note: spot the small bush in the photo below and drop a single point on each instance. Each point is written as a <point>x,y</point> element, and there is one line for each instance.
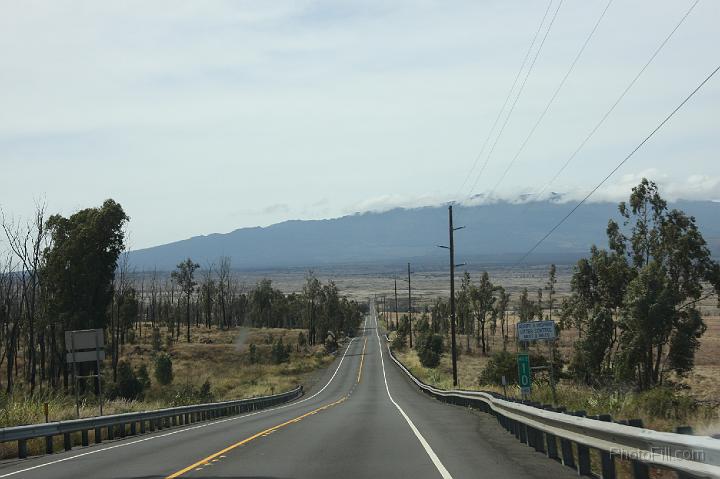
<point>430,349</point>
<point>143,376</point>
<point>501,363</point>
<point>163,369</point>
<point>253,354</point>
<point>131,336</point>
<point>279,353</point>
<point>127,386</point>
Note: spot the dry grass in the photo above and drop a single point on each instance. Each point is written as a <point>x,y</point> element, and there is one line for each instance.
<point>215,355</point>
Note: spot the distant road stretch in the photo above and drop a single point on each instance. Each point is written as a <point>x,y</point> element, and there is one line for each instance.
<point>364,419</point>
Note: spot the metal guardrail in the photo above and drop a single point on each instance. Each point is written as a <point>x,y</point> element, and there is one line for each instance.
<point>569,437</point>
<point>120,425</point>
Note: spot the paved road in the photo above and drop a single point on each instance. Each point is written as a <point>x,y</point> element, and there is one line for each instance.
<point>364,419</point>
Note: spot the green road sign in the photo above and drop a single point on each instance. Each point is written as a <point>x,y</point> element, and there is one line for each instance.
<point>523,361</point>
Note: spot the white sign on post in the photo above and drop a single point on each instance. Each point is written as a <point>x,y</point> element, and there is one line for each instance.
<point>535,330</point>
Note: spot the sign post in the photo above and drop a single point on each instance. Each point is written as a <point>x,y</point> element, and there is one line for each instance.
<point>540,331</point>
<point>84,346</point>
<point>523,362</point>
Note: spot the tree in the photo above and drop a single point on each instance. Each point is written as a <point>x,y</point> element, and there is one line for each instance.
<point>163,369</point>
<point>128,386</point>
<point>483,300</point>
<point>430,349</point>
<point>184,277</point>
<point>463,308</point>
<point>550,288</point>
<point>500,312</point>
<point>526,308</point>
<point>637,301</point>
<point>80,266</point>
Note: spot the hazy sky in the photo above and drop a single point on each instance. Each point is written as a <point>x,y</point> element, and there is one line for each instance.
<point>206,116</point>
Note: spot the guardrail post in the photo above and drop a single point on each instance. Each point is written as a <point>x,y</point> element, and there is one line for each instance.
<point>110,433</point>
<point>48,444</point>
<point>683,430</point>
<point>583,466</point>
<point>142,426</point>
<point>122,429</point>
<point>67,441</point>
<point>133,428</point>
<point>173,420</point>
<point>523,430</point>
<point>22,448</point>
<point>607,460</point>
<point>98,435</point>
<point>84,438</point>
<point>640,469</point>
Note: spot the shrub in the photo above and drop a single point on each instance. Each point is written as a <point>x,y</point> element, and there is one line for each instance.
<point>430,349</point>
<point>253,354</point>
<point>163,369</point>
<point>501,363</point>
<point>131,336</point>
<point>279,353</point>
<point>127,386</point>
<point>143,376</point>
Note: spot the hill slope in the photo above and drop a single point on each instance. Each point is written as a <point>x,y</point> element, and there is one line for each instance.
<point>499,232</point>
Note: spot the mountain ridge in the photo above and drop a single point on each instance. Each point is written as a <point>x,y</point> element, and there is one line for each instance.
<point>495,232</point>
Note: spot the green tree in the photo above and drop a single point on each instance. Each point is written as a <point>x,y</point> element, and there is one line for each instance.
<point>128,386</point>
<point>430,349</point>
<point>81,262</point>
<point>550,288</point>
<point>483,300</point>
<point>184,276</point>
<point>163,369</point>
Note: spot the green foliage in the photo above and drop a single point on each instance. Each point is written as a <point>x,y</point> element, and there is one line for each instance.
<point>430,349</point>
<point>634,304</point>
<point>400,340</point>
<point>80,264</point>
<point>253,354</point>
<point>127,386</point>
<point>143,376</point>
<point>279,353</point>
<point>163,369</point>
<point>501,363</point>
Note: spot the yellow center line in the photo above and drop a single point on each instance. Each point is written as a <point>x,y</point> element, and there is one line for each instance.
<point>362,359</point>
<point>205,461</point>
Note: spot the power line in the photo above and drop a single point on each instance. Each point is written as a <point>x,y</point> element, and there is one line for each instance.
<point>507,99</point>
<point>662,123</point>
<point>612,108</point>
<point>552,99</point>
<point>512,108</point>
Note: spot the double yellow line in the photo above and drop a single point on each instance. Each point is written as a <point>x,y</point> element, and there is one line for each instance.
<point>208,459</point>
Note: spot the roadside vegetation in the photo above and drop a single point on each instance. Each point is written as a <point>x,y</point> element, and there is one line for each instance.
<point>192,335</point>
<point>630,329</point>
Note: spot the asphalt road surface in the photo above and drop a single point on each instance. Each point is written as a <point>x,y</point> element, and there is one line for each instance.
<point>364,419</point>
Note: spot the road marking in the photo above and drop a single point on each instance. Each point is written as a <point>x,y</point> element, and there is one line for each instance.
<point>213,457</point>
<point>172,433</point>
<point>433,457</point>
<point>362,358</point>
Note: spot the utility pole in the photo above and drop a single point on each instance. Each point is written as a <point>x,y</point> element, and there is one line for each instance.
<point>410,306</point>
<point>452,297</point>
<point>397,323</point>
<point>451,248</point>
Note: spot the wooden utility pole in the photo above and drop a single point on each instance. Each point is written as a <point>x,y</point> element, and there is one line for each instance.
<point>397,323</point>
<point>452,296</point>
<point>410,307</point>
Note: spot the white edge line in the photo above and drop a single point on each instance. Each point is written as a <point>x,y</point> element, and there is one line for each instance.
<point>433,457</point>
<point>124,444</point>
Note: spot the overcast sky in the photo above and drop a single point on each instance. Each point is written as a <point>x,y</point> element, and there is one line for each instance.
<point>207,116</point>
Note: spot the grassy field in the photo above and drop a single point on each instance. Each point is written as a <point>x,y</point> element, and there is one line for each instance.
<point>220,357</point>
<point>659,409</point>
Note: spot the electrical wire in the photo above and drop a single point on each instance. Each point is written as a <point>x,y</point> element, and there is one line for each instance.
<point>552,99</point>
<point>512,108</point>
<point>615,104</point>
<point>507,99</point>
<point>619,165</point>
